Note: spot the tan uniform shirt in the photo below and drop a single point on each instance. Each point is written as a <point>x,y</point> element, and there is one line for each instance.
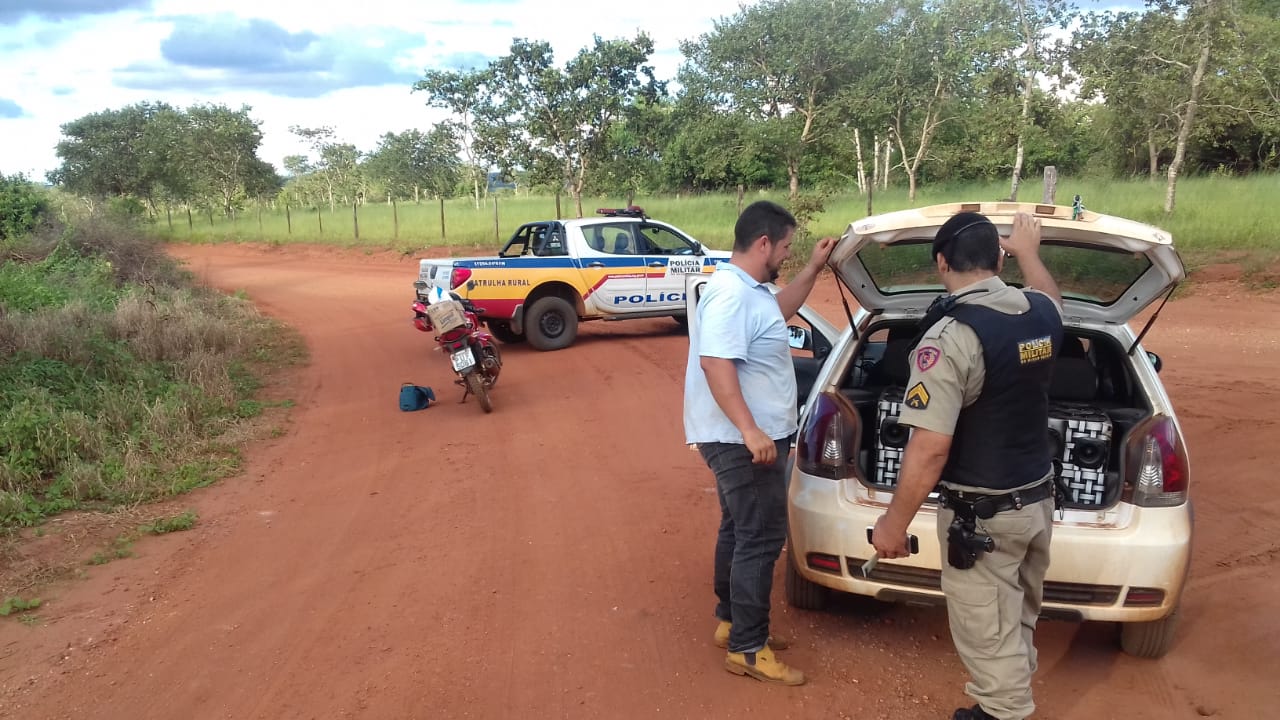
<point>947,369</point>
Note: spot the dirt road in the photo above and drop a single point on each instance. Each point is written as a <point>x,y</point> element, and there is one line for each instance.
<point>553,559</point>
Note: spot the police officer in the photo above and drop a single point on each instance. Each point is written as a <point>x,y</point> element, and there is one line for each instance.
<point>978,402</point>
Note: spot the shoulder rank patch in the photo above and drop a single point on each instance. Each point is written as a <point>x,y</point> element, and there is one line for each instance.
<point>926,357</point>
<point>917,397</point>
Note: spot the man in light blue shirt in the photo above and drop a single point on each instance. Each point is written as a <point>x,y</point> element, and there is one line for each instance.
<point>740,410</point>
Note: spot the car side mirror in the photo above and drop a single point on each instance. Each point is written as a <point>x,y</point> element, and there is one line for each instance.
<point>799,338</point>
<point>1156,362</point>
<point>697,248</point>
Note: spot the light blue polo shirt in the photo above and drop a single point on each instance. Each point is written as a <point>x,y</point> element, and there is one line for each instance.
<point>738,318</point>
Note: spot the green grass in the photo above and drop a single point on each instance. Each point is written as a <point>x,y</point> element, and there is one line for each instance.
<point>15,604</point>
<point>117,385</point>
<point>177,523</point>
<point>1213,213</point>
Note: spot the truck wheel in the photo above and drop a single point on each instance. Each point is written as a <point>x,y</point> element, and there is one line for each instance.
<point>800,592</point>
<point>504,333</point>
<point>552,323</point>
<point>1149,639</point>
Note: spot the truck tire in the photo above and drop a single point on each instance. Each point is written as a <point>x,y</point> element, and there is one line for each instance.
<point>1149,639</point>
<point>800,592</point>
<point>505,334</point>
<point>552,323</point>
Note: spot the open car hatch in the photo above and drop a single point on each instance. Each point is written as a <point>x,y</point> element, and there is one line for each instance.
<point>1108,268</point>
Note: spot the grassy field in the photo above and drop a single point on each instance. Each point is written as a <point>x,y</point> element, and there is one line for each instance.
<point>1217,218</point>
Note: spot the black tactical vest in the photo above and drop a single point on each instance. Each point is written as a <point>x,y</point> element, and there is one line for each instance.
<point>1001,440</point>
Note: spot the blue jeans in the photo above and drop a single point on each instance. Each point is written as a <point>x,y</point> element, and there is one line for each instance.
<point>753,528</point>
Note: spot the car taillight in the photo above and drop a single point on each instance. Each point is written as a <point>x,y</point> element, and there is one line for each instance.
<point>1156,467</point>
<point>459,276</point>
<point>827,444</point>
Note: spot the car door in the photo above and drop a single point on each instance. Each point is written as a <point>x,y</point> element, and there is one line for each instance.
<point>615,274</point>
<point>669,258</point>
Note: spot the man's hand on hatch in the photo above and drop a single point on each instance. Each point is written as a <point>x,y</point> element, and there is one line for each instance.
<point>821,252</point>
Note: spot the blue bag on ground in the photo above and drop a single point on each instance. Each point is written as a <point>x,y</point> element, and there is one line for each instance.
<point>415,397</point>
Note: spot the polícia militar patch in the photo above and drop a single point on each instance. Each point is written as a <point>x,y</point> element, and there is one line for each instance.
<point>917,397</point>
<point>927,357</point>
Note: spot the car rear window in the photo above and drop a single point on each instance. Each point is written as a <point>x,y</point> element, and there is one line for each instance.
<point>1087,273</point>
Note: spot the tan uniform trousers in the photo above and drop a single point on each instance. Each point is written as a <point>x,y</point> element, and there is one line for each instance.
<point>992,607</point>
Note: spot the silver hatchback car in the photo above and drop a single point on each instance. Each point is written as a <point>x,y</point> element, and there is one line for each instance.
<point>1122,541</point>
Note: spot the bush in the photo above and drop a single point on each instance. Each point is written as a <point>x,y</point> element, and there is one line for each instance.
<point>21,207</point>
<point>118,378</point>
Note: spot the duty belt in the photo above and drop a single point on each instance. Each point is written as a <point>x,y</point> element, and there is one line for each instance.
<point>983,506</point>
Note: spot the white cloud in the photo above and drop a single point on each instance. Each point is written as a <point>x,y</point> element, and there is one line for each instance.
<point>64,68</point>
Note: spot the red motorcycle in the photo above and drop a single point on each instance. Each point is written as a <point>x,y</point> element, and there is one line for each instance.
<point>472,351</point>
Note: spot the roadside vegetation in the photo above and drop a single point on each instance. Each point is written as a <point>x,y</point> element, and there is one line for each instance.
<point>121,382</point>
<point>1220,218</point>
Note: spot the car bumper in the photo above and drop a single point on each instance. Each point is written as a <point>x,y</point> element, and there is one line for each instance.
<point>1096,571</point>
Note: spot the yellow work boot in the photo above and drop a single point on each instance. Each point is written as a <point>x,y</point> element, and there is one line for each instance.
<point>763,666</point>
<point>722,637</point>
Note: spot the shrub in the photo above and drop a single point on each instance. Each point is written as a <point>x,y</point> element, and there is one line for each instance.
<point>21,207</point>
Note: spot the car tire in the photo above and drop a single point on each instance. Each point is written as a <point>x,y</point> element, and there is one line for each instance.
<point>1149,639</point>
<point>552,323</point>
<point>800,592</point>
<point>505,334</point>
<point>682,321</point>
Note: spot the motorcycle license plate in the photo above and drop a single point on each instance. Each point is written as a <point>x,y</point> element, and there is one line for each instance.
<point>462,359</point>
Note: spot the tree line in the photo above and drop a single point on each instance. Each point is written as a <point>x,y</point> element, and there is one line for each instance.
<point>811,95</point>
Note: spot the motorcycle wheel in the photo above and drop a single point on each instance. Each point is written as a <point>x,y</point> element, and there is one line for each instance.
<point>497,356</point>
<point>475,383</point>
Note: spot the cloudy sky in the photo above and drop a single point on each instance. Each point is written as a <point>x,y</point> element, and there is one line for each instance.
<point>294,62</point>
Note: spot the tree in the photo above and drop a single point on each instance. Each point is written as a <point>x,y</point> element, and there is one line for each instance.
<point>416,161</point>
<point>938,50</point>
<point>465,94</point>
<point>120,153</point>
<point>789,64</point>
<point>220,152</point>
<point>337,167</point>
<point>540,114</point>
<point>1158,63</point>
<point>1034,18</point>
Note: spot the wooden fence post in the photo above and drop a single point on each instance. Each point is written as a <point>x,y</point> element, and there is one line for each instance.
<point>320,220</point>
<point>1050,184</point>
<point>395,221</point>
<point>496,236</point>
<point>740,192</point>
<point>442,235</point>
<point>355,221</point>
<point>288,219</point>
<point>190,225</point>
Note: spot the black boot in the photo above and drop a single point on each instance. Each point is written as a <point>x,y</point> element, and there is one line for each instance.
<point>974,713</point>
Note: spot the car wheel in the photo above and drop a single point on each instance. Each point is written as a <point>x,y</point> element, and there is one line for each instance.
<point>504,333</point>
<point>552,323</point>
<point>800,592</point>
<point>1149,639</point>
<point>682,321</point>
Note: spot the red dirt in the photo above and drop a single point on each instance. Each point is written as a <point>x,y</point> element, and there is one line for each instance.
<point>553,559</point>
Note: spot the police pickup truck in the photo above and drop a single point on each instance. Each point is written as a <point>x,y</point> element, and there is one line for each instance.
<point>552,274</point>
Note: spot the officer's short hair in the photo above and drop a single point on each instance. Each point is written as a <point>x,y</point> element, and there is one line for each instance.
<point>968,241</point>
<point>761,218</point>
